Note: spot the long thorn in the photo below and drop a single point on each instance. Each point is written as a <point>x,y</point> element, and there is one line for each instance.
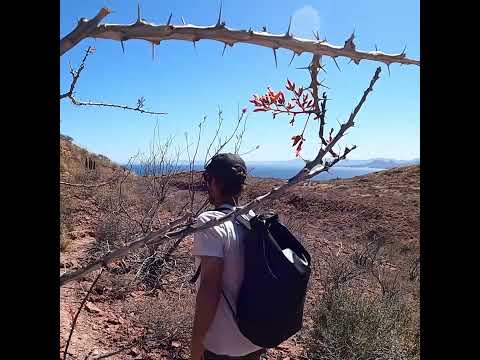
<point>219,15</point>
<point>138,12</point>
<point>153,51</point>
<point>289,25</point>
<point>338,67</point>
<point>123,47</point>
<point>292,58</point>
<point>183,20</point>
<point>321,84</point>
<point>321,67</point>
<point>224,47</point>
<point>275,56</point>
<point>169,19</point>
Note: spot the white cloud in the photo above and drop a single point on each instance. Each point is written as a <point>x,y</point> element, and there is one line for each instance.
<point>304,21</point>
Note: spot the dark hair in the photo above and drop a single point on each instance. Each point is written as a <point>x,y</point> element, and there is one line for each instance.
<point>230,171</point>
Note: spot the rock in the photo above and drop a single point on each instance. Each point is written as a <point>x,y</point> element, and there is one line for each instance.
<point>95,352</point>
<point>117,321</point>
<point>176,344</point>
<point>64,263</point>
<point>133,352</point>
<point>91,308</point>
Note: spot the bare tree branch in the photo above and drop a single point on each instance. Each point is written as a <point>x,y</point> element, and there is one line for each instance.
<point>74,322</point>
<point>125,348</point>
<point>87,185</point>
<point>220,121</point>
<point>124,107</point>
<point>75,76</point>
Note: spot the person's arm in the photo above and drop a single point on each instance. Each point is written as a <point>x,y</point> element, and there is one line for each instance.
<point>208,297</point>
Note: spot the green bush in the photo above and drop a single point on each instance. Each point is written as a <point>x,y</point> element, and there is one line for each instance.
<point>349,325</point>
<point>364,313</point>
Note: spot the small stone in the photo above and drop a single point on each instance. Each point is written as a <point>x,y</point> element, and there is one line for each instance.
<point>176,344</point>
<point>133,352</point>
<point>91,308</point>
<point>113,321</point>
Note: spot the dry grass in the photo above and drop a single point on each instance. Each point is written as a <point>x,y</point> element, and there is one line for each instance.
<point>373,319</point>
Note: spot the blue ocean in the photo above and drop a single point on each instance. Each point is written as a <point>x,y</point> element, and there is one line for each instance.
<point>286,171</point>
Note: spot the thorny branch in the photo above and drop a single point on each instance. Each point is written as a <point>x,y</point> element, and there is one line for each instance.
<point>142,30</point>
<point>310,170</point>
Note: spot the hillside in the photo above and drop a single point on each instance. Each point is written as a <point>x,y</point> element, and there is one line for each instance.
<point>72,161</point>
<point>334,217</point>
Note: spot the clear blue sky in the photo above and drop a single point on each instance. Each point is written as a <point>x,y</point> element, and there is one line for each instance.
<point>189,84</point>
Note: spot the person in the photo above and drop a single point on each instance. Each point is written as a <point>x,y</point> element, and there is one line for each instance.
<point>219,252</point>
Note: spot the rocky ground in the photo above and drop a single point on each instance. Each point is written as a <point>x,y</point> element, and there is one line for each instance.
<point>335,217</point>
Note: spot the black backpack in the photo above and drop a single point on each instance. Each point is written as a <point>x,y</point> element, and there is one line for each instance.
<point>272,294</point>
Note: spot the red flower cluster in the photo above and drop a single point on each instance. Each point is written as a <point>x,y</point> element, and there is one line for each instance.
<point>301,103</point>
<point>298,139</point>
<point>263,103</point>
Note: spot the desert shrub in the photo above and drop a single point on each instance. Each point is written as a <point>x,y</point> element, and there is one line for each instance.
<point>366,319</point>
<point>114,231</point>
<point>65,240</point>
<point>353,325</point>
<point>66,137</point>
<point>167,316</point>
<point>65,222</point>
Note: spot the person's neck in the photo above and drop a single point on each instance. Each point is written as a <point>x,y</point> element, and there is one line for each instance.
<point>228,201</point>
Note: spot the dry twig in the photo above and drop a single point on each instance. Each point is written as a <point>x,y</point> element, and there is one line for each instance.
<point>75,76</point>
<point>74,322</point>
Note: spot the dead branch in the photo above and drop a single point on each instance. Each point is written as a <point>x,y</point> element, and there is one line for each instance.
<point>221,146</point>
<point>136,342</point>
<point>220,122</point>
<point>241,134</point>
<point>310,170</point>
<point>87,185</point>
<point>74,322</point>
<point>191,189</point>
<point>123,107</point>
<point>75,76</point>
<point>142,30</point>
<point>81,31</point>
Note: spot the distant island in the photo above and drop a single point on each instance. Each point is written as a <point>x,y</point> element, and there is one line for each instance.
<point>377,163</point>
<point>383,163</point>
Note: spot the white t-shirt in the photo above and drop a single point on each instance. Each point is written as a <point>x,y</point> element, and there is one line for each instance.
<point>224,241</point>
